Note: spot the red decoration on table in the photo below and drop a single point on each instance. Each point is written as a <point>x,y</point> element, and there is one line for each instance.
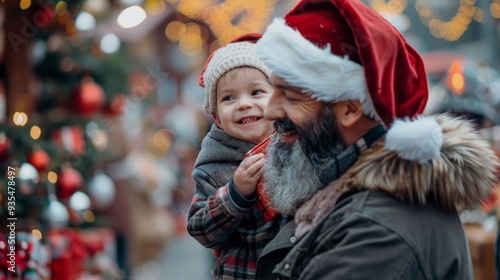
<point>68,254</point>
<point>263,203</point>
<point>69,181</point>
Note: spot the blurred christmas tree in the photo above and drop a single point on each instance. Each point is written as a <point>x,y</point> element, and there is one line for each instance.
<point>61,89</point>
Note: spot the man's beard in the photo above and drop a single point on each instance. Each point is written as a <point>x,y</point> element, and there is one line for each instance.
<point>295,172</point>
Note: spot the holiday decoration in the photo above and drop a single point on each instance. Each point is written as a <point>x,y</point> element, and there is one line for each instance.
<point>39,159</point>
<point>4,250</point>
<point>102,191</point>
<point>68,254</point>
<point>57,214</point>
<point>28,178</point>
<point>69,181</point>
<point>71,139</point>
<point>117,105</point>
<point>89,97</point>
<point>5,146</point>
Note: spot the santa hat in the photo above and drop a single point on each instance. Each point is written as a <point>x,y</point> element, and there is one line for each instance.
<point>338,50</point>
<point>240,52</point>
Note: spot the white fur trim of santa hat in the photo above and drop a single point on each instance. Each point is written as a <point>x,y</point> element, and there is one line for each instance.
<point>331,78</point>
<point>415,140</point>
<point>319,72</point>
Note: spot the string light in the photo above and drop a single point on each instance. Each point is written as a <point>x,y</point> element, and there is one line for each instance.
<point>35,132</point>
<point>495,8</point>
<point>20,118</point>
<point>25,4</point>
<point>52,177</point>
<point>392,11</point>
<point>453,29</point>
<point>392,6</point>
<point>88,216</point>
<point>226,20</point>
<point>229,19</point>
<point>37,234</point>
<point>155,7</point>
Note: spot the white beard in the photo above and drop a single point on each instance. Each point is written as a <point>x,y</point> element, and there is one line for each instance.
<point>291,179</point>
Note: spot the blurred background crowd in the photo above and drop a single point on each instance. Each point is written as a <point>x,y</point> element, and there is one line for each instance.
<point>101,119</point>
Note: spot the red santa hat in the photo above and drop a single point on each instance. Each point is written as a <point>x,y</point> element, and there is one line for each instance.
<point>338,50</point>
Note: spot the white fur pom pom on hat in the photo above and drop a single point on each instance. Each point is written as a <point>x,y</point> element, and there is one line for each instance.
<point>415,140</point>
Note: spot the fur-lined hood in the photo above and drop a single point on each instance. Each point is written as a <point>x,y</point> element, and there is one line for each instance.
<point>460,178</point>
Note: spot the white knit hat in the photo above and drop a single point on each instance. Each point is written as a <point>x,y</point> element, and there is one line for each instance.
<point>223,60</point>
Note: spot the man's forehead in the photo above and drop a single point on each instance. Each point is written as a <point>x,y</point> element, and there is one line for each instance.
<point>279,82</point>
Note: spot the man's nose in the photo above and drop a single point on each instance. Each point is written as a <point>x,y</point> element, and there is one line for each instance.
<point>273,109</point>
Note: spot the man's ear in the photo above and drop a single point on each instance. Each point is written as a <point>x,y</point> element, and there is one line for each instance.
<point>348,112</point>
<point>217,120</point>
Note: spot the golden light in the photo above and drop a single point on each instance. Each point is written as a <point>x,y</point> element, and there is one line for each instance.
<point>191,44</point>
<point>35,132</point>
<point>397,7</point>
<point>228,19</point>
<point>20,118</point>
<point>52,177</point>
<point>61,8</point>
<point>131,16</point>
<point>162,139</point>
<point>175,30</point>
<point>192,8</point>
<point>88,216</point>
<point>155,7</point>
<point>25,4</point>
<point>37,234</point>
<point>225,19</point>
<point>495,9</point>
<point>392,6</point>
<point>425,13</point>
<point>455,80</point>
<point>70,27</point>
<point>453,29</point>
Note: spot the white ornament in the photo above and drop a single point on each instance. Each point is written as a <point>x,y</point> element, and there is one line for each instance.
<point>57,214</point>
<point>79,201</point>
<point>102,190</point>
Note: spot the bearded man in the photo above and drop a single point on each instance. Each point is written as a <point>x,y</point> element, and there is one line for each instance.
<point>375,188</point>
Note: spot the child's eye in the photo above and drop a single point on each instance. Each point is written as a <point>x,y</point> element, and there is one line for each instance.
<point>228,98</point>
<point>257,92</point>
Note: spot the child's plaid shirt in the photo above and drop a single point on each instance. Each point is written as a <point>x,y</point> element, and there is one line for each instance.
<point>219,218</point>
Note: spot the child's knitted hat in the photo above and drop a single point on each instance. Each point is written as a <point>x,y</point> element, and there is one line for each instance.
<point>240,52</point>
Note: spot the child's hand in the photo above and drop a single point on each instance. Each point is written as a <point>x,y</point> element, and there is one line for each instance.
<point>248,174</point>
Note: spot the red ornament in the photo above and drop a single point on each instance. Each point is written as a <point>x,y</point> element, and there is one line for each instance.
<point>116,106</point>
<point>5,145</point>
<point>89,98</point>
<point>39,159</point>
<point>71,138</point>
<point>69,181</point>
